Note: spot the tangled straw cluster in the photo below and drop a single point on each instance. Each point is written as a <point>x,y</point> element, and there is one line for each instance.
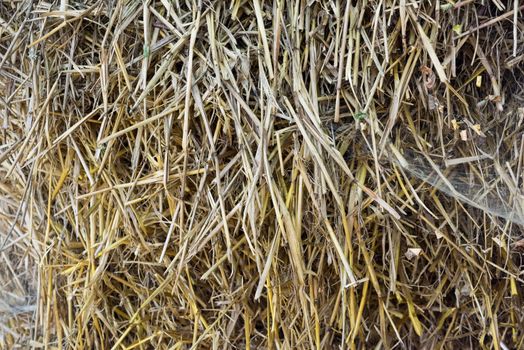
<point>261,174</point>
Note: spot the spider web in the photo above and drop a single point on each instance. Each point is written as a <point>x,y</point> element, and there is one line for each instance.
<point>483,183</point>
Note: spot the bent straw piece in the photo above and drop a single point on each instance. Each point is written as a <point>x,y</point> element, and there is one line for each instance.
<point>289,230</point>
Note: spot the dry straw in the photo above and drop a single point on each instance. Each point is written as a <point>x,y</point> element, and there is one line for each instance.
<point>261,174</point>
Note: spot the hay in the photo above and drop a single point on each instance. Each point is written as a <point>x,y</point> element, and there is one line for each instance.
<point>261,174</point>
